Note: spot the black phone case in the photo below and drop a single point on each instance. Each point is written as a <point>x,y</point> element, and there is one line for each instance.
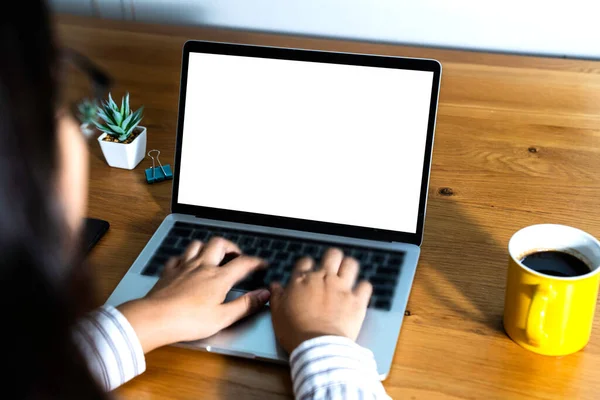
<point>93,231</point>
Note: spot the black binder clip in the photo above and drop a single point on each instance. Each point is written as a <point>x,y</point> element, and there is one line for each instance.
<point>160,173</point>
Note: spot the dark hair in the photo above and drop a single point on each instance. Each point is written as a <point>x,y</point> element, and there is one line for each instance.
<point>37,282</point>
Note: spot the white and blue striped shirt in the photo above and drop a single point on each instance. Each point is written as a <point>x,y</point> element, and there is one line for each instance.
<point>326,367</point>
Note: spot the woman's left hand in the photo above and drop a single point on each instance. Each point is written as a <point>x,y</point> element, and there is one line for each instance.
<point>187,302</point>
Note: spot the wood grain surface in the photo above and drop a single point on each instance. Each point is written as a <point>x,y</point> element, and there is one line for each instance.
<point>517,143</point>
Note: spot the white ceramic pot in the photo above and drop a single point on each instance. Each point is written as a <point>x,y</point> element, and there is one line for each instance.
<point>126,156</point>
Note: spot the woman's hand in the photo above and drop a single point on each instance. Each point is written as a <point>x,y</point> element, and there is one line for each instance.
<point>319,303</point>
<point>187,302</point>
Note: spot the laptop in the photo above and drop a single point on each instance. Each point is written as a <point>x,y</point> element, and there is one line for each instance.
<point>288,152</point>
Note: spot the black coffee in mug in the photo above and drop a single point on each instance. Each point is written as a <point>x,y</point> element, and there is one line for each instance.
<point>555,263</point>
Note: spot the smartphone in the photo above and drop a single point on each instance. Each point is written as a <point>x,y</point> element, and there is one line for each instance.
<point>93,230</point>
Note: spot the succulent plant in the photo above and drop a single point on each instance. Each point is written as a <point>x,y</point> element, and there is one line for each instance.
<point>117,122</point>
<point>87,111</point>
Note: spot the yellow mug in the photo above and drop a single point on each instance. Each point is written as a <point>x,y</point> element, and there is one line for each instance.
<point>548,314</point>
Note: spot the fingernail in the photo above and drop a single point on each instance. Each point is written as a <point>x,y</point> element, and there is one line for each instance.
<point>263,295</point>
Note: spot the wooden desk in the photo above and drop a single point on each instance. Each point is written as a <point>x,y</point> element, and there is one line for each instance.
<point>517,143</point>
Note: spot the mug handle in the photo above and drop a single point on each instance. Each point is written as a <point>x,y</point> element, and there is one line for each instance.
<point>536,317</point>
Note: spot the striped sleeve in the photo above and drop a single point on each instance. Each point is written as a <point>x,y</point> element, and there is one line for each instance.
<point>110,346</point>
<point>334,367</point>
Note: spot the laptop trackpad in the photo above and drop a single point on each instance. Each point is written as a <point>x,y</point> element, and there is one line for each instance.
<point>234,294</point>
<point>251,337</point>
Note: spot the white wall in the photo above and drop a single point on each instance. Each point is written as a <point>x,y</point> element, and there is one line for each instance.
<point>80,7</point>
<point>560,28</point>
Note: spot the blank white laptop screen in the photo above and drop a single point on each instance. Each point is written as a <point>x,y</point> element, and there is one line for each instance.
<point>323,142</point>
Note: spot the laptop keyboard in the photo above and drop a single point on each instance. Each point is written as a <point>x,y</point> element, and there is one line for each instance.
<point>381,268</point>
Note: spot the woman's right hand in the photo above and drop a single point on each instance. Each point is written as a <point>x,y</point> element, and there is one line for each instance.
<point>319,303</point>
<point>187,301</point>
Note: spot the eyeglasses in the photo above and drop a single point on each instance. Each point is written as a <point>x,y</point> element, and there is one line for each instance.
<point>80,80</point>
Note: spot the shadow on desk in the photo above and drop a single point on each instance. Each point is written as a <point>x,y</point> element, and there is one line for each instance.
<point>265,380</point>
<point>462,270</point>
<point>201,375</point>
